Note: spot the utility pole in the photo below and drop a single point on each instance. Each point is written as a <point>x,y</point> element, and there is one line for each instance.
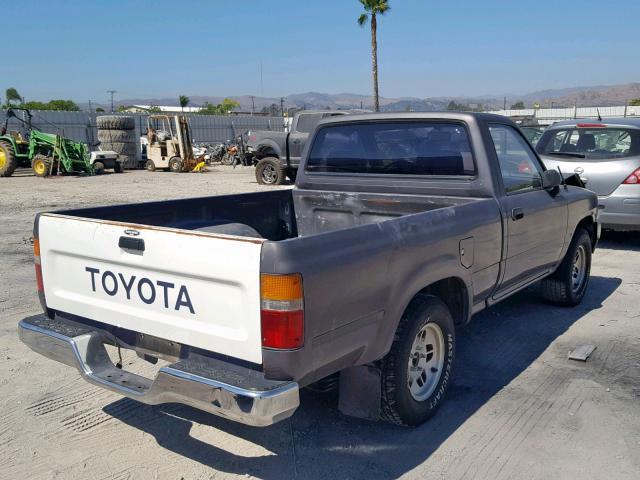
<point>90,109</point>
<point>261,83</point>
<point>505,103</point>
<point>112,93</point>
<point>282,105</point>
<point>253,105</point>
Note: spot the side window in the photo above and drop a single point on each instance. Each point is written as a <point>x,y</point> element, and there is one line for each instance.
<point>518,164</point>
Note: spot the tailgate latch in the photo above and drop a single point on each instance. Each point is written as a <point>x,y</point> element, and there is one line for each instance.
<point>129,243</point>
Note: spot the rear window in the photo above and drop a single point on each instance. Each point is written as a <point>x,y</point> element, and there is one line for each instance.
<point>596,143</point>
<point>400,148</point>
<point>307,122</point>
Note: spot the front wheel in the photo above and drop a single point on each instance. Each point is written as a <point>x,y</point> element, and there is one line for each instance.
<point>416,372</point>
<point>175,165</point>
<point>567,285</point>
<point>41,165</point>
<point>150,166</point>
<point>98,168</point>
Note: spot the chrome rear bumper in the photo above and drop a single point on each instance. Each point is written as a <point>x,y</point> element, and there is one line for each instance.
<point>230,391</point>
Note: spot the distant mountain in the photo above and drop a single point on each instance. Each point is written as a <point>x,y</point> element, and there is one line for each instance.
<point>601,95</point>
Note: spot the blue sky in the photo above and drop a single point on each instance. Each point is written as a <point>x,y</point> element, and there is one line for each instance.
<point>78,49</point>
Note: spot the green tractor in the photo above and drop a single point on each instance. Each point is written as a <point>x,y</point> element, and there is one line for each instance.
<point>46,153</point>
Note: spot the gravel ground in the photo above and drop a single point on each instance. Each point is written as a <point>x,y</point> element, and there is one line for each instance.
<point>518,408</point>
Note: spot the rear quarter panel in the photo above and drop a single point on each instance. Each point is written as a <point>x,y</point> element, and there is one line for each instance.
<point>358,281</point>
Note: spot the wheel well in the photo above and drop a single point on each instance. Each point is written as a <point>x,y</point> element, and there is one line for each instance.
<point>268,152</point>
<point>453,292</point>
<point>588,224</point>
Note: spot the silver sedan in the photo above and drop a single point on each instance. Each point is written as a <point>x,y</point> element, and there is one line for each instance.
<point>606,156</point>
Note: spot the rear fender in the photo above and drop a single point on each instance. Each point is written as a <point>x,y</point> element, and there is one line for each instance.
<point>269,148</point>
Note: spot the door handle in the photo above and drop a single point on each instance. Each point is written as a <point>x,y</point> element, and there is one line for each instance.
<point>517,213</point>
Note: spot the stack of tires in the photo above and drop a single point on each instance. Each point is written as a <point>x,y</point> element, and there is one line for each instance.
<point>118,133</point>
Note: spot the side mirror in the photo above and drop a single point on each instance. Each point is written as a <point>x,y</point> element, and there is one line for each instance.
<point>551,179</point>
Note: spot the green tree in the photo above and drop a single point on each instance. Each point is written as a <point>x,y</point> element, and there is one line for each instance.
<point>373,8</point>
<point>184,101</point>
<point>518,106</point>
<point>154,109</point>
<point>12,95</point>
<point>63,105</point>
<point>223,108</point>
<point>228,105</point>
<point>121,108</point>
<point>271,110</point>
<point>635,102</point>
<point>99,110</point>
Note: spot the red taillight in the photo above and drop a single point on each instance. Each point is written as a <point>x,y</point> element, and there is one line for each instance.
<point>283,330</point>
<point>633,179</point>
<point>281,311</point>
<point>36,261</point>
<point>591,125</point>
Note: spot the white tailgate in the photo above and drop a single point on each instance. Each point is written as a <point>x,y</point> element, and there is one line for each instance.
<point>214,303</point>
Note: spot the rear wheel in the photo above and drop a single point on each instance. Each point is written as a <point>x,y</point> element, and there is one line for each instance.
<point>175,165</point>
<point>567,285</point>
<point>417,370</point>
<point>98,168</point>
<point>41,165</point>
<point>8,162</point>
<point>269,171</point>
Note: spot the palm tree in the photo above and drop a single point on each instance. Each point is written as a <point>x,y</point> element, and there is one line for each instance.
<point>372,9</point>
<point>184,101</point>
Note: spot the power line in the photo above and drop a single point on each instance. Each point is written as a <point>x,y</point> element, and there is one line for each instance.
<point>112,93</point>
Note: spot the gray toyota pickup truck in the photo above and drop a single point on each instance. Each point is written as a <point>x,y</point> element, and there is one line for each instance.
<point>400,228</point>
<point>276,155</point>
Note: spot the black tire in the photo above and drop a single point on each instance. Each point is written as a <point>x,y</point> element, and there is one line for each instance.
<point>118,167</point>
<point>114,136</point>
<point>98,168</point>
<point>8,161</point>
<point>175,165</point>
<point>567,285</point>
<point>269,171</point>
<point>399,405</point>
<point>115,122</point>
<point>150,166</point>
<point>41,165</point>
<point>127,148</point>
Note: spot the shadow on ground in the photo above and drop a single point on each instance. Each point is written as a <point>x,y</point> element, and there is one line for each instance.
<point>620,241</point>
<point>319,442</point>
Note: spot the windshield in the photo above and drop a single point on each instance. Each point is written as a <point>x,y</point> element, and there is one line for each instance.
<point>595,143</point>
<point>405,148</point>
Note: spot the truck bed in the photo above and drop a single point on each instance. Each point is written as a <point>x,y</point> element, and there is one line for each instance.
<point>275,215</point>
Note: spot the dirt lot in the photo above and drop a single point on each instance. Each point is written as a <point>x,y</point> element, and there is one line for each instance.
<point>518,409</point>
